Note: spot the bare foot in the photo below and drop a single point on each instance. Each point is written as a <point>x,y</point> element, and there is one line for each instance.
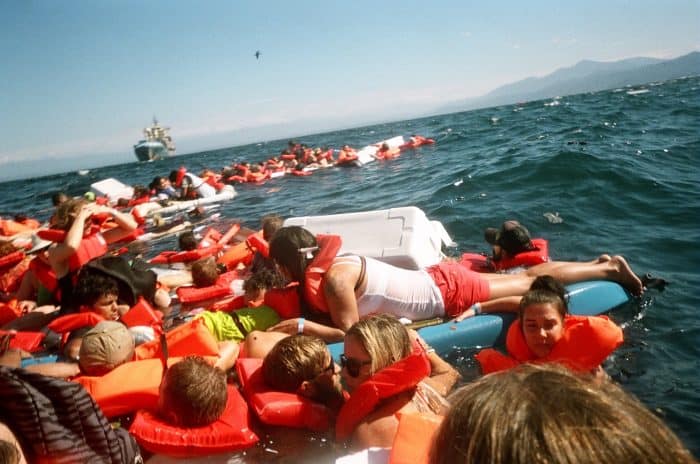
<point>604,258</point>
<point>626,277</point>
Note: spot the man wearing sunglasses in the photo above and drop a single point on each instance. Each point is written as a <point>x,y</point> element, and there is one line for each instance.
<point>302,364</point>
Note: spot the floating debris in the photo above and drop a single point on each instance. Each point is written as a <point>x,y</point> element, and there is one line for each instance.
<point>553,218</point>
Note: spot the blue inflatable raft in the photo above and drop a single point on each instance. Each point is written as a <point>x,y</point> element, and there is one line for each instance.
<point>585,299</point>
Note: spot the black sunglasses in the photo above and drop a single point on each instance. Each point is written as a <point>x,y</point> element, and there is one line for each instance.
<point>352,365</point>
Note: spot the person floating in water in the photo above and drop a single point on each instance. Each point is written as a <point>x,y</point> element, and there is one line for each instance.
<point>257,54</point>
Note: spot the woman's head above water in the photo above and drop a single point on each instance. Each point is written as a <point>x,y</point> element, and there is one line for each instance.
<point>372,344</point>
<point>542,312</point>
<point>293,248</point>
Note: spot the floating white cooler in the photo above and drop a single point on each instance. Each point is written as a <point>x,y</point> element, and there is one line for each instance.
<point>112,189</point>
<point>403,236</point>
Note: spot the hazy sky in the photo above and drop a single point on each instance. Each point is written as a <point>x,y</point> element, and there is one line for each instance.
<point>84,77</point>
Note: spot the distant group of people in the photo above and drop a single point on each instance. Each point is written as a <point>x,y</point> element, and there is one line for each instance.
<point>298,294</point>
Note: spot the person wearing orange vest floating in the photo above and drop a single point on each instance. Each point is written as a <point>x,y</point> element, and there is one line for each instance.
<point>348,288</point>
<point>546,333</point>
<point>388,374</point>
<point>75,218</point>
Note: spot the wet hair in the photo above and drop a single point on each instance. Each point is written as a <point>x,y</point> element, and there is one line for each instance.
<point>544,413</point>
<point>204,272</point>
<point>384,338</point>
<point>186,241</point>
<point>194,394</point>
<point>285,246</point>
<point>263,279</point>
<point>293,360</point>
<point>545,290</point>
<point>271,223</point>
<point>173,176</point>
<point>58,197</point>
<point>91,286</point>
<point>66,213</point>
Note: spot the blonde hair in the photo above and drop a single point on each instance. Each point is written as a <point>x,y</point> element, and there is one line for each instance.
<point>293,360</point>
<point>384,338</point>
<point>546,414</point>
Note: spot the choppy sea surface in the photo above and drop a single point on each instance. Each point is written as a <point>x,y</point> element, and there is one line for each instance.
<point>615,171</point>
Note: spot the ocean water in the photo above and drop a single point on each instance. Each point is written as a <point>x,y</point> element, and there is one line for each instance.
<point>617,172</point>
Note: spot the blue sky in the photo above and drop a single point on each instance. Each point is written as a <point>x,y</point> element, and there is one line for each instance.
<point>84,77</point>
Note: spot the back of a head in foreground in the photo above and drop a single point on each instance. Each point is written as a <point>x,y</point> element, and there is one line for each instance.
<point>537,414</point>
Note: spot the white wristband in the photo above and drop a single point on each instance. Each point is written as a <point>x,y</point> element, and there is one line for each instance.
<point>300,325</point>
<point>477,308</point>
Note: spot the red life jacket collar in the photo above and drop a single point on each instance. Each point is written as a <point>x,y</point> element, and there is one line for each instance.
<point>316,270</point>
<point>401,376</point>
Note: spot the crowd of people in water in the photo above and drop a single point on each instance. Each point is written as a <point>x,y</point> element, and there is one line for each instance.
<point>184,359</point>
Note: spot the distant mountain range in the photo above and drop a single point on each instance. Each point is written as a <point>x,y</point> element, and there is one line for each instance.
<point>585,76</point>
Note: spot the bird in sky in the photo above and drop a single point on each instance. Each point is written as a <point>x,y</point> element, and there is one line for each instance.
<point>257,55</point>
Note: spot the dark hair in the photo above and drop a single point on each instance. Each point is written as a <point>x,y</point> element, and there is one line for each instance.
<point>545,413</point>
<point>263,279</point>
<point>91,286</point>
<point>186,241</point>
<point>194,392</point>
<point>285,246</point>
<point>543,290</point>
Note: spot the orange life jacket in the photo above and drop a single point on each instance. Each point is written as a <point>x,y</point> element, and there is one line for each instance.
<point>414,438</point>
<point>586,342</point>
<point>482,263</point>
<point>401,376</point>
<point>192,337</point>
<point>276,407</point>
<point>43,272</point>
<point>230,432</point>
<point>285,301</point>
<point>24,340</point>
<point>316,270</point>
<point>91,246</point>
<point>243,253</point>
<point>142,313</point>
<point>12,277</point>
<point>9,227</point>
<point>11,259</point>
<point>127,388</point>
<point>220,289</point>
<point>9,311</point>
<point>168,257</point>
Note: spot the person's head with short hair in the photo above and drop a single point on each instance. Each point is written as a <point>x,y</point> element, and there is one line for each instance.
<point>104,347</point>
<point>545,413</point>
<point>271,223</point>
<point>259,283</point>
<point>205,272</point>
<point>187,241</point>
<point>6,248</point>
<point>58,197</point>
<point>302,364</point>
<point>193,393</point>
<point>513,238</point>
<point>372,344</point>
<point>542,312</point>
<point>285,249</point>
<point>97,292</point>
